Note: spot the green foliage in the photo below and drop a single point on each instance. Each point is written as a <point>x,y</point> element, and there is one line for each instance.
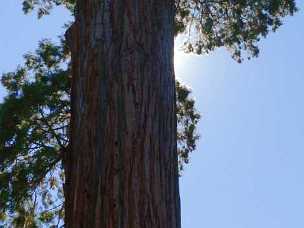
<point>187,120</point>
<point>44,6</point>
<point>34,122</point>
<point>237,25</point>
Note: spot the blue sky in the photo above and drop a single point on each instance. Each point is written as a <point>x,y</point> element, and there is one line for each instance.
<point>248,169</point>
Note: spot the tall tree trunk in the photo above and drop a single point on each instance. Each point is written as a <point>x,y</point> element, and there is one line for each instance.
<point>122,170</point>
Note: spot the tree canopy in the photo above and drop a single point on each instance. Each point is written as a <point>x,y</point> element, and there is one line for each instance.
<point>237,25</point>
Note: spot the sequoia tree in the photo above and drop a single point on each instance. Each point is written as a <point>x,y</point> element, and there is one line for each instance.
<point>121,167</point>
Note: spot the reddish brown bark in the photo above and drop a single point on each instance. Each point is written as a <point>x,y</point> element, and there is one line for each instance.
<point>122,170</point>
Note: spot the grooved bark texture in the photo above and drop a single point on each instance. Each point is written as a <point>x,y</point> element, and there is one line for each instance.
<point>122,169</point>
